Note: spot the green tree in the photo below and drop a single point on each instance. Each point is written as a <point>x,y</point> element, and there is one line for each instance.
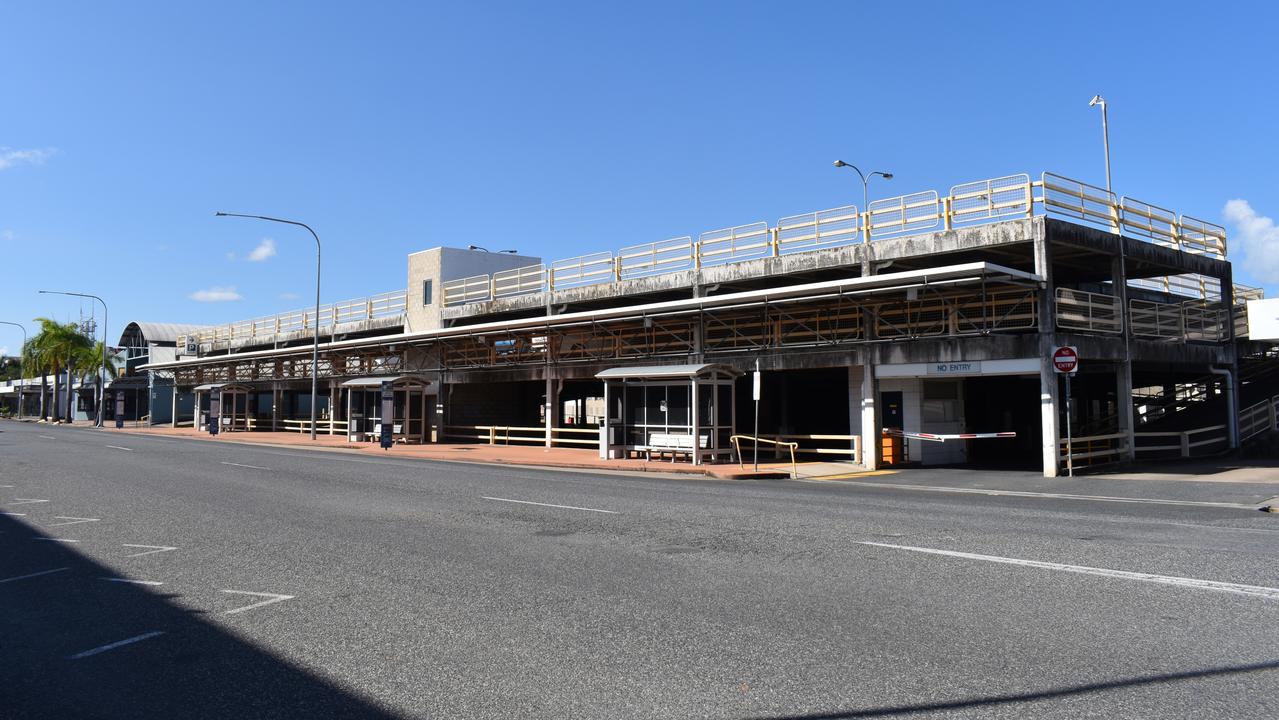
<point>55,347</point>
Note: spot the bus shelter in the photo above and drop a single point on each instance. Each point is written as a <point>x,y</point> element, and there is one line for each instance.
<point>234,413</point>
<point>410,423</point>
<point>677,410</point>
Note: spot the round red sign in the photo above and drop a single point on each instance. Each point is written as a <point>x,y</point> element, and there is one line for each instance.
<point>1065,359</point>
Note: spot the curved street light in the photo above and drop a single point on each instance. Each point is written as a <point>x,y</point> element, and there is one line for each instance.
<point>865,188</point>
<point>315,345</point>
<point>1105,133</point>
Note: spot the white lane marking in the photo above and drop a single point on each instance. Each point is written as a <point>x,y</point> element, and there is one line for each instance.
<point>254,467</point>
<point>26,501</point>
<point>132,582</point>
<point>47,437</point>
<point>1195,583</point>
<point>56,539</point>
<point>6,486</point>
<point>114,645</point>
<point>154,549</point>
<point>273,599</point>
<point>72,520</point>
<point>1054,496</point>
<point>566,507</point>
<point>34,574</point>
<point>14,514</point>
<point>117,447</point>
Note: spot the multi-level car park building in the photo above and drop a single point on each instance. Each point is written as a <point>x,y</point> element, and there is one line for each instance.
<point>873,328</point>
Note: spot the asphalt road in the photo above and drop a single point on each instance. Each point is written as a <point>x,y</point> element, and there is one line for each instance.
<point>295,583</point>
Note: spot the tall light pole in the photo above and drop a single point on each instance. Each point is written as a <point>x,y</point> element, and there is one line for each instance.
<point>865,189</point>
<point>102,371</point>
<point>484,249</point>
<point>1105,133</point>
<point>22,371</point>
<point>315,347</point>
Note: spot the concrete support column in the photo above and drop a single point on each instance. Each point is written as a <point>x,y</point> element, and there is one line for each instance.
<point>173,418</point>
<point>854,406</point>
<point>1049,402</point>
<point>1049,393</point>
<point>1123,396</point>
<point>870,417</point>
<point>1123,375</point>
<point>552,411</point>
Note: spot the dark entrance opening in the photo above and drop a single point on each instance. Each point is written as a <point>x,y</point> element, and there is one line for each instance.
<point>1000,404</point>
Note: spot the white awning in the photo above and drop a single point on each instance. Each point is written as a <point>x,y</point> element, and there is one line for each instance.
<point>661,372</point>
<point>375,381</point>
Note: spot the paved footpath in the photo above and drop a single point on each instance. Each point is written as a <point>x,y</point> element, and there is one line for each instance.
<point>147,576</point>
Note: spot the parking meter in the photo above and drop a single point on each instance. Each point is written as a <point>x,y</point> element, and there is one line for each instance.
<point>119,409</point>
<point>215,401</point>
<point>388,415</point>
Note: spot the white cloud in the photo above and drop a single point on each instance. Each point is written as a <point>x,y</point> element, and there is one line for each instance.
<point>216,294</point>
<point>10,157</point>
<point>7,235</point>
<point>264,250</point>
<point>1256,240</point>
<point>4,350</point>
<point>230,256</point>
<point>288,296</point>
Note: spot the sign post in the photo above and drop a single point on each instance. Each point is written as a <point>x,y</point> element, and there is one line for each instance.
<point>755,397</point>
<point>119,409</point>
<point>388,416</point>
<point>1066,362</point>
<point>215,411</point>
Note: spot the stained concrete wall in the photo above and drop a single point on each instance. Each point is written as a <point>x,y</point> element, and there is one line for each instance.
<point>442,264</point>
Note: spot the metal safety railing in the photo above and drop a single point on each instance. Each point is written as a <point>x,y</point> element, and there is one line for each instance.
<point>966,204</point>
<point>1088,311</point>
<point>1259,418</point>
<point>736,440</point>
<point>388,304</point>
<point>511,434</point>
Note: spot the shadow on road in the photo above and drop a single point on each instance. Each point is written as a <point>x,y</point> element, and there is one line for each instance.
<point>193,669</point>
<point>1012,698</point>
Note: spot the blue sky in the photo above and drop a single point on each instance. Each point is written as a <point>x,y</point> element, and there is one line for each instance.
<point>563,128</point>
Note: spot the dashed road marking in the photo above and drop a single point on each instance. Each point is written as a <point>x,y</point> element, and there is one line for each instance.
<point>114,645</point>
<point>72,520</point>
<point>273,598</point>
<point>47,437</point>
<point>153,549</point>
<point>252,467</point>
<point>34,574</point>
<point>565,507</point>
<point>1195,583</point>
<point>49,539</point>
<point>130,581</point>
<point>117,447</point>
<point>26,501</point>
<point>14,514</point>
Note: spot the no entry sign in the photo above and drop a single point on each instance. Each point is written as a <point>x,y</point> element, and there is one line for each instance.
<point>1065,359</point>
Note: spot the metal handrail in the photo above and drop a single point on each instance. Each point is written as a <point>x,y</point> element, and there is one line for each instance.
<point>737,448</point>
<point>385,304</point>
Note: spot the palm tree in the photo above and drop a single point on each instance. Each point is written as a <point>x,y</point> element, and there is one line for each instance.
<point>33,360</point>
<point>56,344</point>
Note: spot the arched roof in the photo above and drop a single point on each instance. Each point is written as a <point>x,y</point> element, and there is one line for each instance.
<point>153,332</point>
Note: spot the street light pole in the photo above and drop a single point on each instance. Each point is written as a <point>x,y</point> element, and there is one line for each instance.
<point>1105,133</point>
<point>22,370</point>
<point>315,345</point>
<point>102,371</point>
<point>865,191</point>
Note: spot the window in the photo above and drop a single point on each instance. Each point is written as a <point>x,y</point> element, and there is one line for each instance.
<point>426,292</point>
